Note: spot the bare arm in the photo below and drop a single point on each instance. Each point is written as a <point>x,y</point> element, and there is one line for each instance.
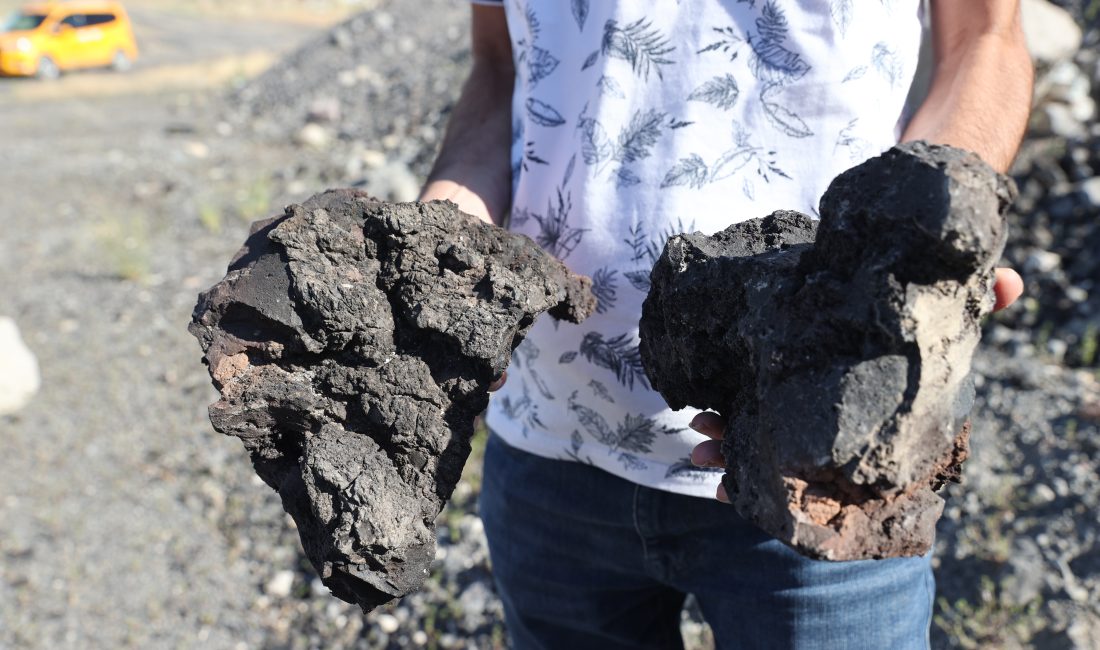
<point>473,168</point>
<point>980,95</point>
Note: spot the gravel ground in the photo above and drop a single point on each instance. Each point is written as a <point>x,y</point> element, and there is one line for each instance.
<point>125,522</point>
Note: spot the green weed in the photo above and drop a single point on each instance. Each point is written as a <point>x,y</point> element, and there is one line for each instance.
<point>254,201</point>
<point>123,242</point>
<point>1089,345</point>
<point>990,622</point>
<point>210,218</point>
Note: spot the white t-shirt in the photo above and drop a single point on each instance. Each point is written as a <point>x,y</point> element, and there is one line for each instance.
<point>633,121</point>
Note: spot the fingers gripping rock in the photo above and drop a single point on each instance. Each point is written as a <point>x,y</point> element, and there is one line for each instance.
<point>838,350</point>
<point>352,343</point>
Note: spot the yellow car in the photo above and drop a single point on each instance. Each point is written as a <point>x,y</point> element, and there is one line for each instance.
<point>48,38</point>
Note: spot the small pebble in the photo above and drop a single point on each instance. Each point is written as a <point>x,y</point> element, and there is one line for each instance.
<point>387,623</point>
<point>1042,493</point>
<point>280,584</point>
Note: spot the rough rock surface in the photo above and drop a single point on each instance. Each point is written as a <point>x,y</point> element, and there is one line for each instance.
<point>839,351</point>
<point>353,342</point>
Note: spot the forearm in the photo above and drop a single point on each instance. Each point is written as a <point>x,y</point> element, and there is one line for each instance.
<point>980,95</point>
<point>473,168</point>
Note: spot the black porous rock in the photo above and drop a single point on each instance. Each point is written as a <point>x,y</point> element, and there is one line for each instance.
<point>839,351</point>
<point>352,343</point>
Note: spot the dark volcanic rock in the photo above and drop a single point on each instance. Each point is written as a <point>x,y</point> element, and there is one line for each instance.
<point>839,351</point>
<point>353,342</point>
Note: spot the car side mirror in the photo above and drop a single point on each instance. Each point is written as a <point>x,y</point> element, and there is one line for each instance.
<point>62,28</point>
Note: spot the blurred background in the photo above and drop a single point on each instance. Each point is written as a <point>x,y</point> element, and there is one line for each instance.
<point>126,522</point>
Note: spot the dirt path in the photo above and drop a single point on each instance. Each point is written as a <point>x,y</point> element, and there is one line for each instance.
<point>114,496</point>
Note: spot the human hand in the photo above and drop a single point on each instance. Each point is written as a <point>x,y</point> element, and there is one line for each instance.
<point>1007,287</point>
<point>709,452</point>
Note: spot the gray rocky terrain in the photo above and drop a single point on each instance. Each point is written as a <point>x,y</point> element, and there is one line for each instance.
<point>127,522</point>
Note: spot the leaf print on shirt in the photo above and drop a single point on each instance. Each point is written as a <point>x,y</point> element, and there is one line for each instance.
<point>537,62</point>
<point>691,171</point>
<point>639,280</point>
<point>857,147</point>
<point>722,92</point>
<point>523,410</point>
<point>580,12</point>
<point>634,435</point>
<point>599,390</point>
<point>635,141</point>
<point>638,137</point>
<point>772,64</point>
<point>596,147</point>
<point>591,60</point>
<point>841,13</point>
<point>617,355</point>
<point>684,468</point>
<point>694,172</point>
<point>610,88</point>
<point>639,44</point>
<point>540,63</point>
<point>529,156</point>
<point>604,287</point>
<point>728,41</point>
<point>555,234</point>
<point>525,353</point>
<point>625,178</point>
<point>593,423</point>
<point>540,384</point>
<point>782,117</point>
<point>568,170</point>
<point>543,114</point>
<point>518,216</point>
<point>886,62</point>
<point>576,441</point>
<point>855,73</point>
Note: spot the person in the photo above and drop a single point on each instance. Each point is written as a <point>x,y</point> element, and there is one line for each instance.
<point>599,129</point>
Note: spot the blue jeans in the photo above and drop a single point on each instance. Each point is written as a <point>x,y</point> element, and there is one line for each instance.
<point>584,559</point>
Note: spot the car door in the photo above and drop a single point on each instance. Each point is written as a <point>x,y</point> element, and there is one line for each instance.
<point>65,47</point>
<point>84,43</point>
<point>104,27</point>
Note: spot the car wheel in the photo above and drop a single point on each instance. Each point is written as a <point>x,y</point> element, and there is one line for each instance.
<point>47,69</point>
<point>121,62</point>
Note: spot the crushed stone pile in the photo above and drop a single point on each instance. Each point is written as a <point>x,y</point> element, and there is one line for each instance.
<point>369,99</point>
<point>839,351</point>
<point>1053,240</point>
<point>353,342</point>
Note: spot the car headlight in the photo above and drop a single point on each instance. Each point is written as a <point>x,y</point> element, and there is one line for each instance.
<point>23,44</point>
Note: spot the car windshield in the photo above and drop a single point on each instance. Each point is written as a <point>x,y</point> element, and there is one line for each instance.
<point>20,21</point>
